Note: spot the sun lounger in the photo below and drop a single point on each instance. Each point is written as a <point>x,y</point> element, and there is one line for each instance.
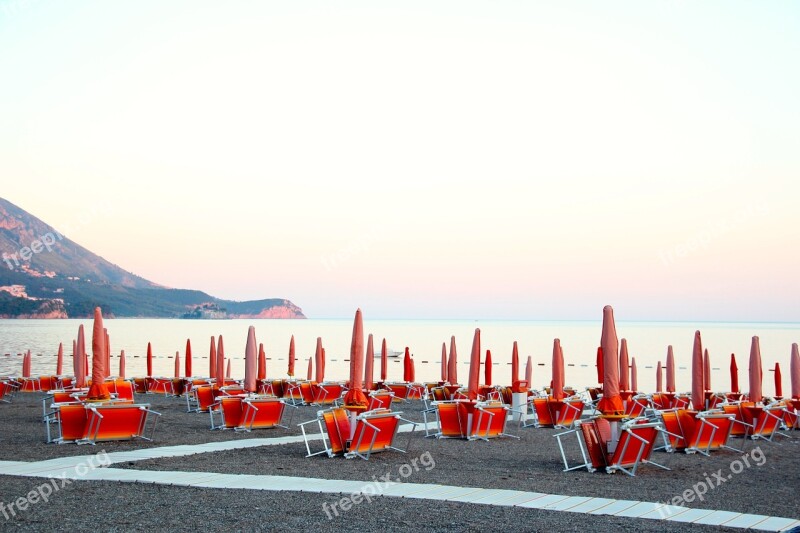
<point>635,446</point>
<point>380,399</point>
<point>202,398</point>
<point>550,413</point>
<point>7,390</point>
<point>451,420</point>
<point>327,393</point>
<point>490,422</point>
<point>111,421</point>
<point>376,431</point>
<point>334,431</point>
<point>160,386</point>
<point>767,422</point>
<point>711,433</point>
<point>742,421</point>
<point>248,412</point>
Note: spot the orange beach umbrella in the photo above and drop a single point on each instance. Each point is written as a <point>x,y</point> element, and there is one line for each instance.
<point>98,390</point>
<point>310,374</point>
<point>262,362</point>
<point>755,372</point>
<point>149,360</point>
<point>474,366</point>
<point>80,360</point>
<point>228,371</point>
<point>659,378</point>
<point>122,364</point>
<point>611,402</point>
<point>177,364</point>
<point>384,360</point>
<point>250,361</point>
<point>452,363</point>
<point>794,370</point>
<point>558,371</point>
<point>670,370</point>
<point>634,376</point>
<point>706,371</point>
<point>778,381</point>
<point>599,364</point>
<point>369,364</point>
<point>734,375</point>
<point>60,360</point>
<point>188,359</point>
<point>291,357</point>
<point>698,394</point>
<point>529,372</point>
<point>355,396</point>
<point>212,359</point>
<point>487,371</point>
<point>624,366</point>
<point>220,362</point>
<point>318,361</point>
<point>407,366</point>
<point>515,364</point>
<point>443,363</point>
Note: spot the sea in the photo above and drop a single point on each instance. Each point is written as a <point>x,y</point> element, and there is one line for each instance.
<point>647,343</point>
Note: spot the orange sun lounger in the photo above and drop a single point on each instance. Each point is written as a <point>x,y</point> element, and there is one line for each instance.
<point>327,393</point>
<point>551,413</point>
<point>692,432</point>
<point>248,412</point>
<point>635,446</point>
<point>491,421</point>
<point>89,423</point>
<point>372,432</point>
<point>7,390</point>
<point>380,399</point>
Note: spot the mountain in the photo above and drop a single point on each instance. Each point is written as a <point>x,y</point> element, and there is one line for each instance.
<point>43,274</point>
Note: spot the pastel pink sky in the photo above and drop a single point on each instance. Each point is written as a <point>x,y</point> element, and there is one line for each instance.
<point>490,159</point>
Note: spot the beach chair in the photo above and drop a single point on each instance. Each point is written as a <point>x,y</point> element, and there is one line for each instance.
<point>678,429</point>
<point>376,431</point>
<point>401,390</point>
<point>550,413</point>
<point>292,392</point>
<point>334,431</point>
<point>711,433</point>
<point>742,422</point>
<point>113,421</point>
<point>72,419</point>
<point>768,423</point>
<point>7,390</point>
<point>202,398</point>
<point>790,418</point>
<point>491,421</point>
<point>30,384</point>
<point>380,399</point>
<point>637,405</point>
<point>121,388</point>
<point>160,386</point>
<point>263,412</point>
<point>327,393</point>
<point>635,446</point>
<point>451,419</point>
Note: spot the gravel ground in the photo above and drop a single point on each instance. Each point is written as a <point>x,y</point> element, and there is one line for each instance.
<point>531,463</point>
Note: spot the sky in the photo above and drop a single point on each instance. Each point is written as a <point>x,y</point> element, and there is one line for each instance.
<point>465,159</point>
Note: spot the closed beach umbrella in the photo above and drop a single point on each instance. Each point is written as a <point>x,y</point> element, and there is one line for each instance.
<point>177,364</point>
<point>212,358</point>
<point>515,364</point>
<point>310,374</point>
<point>794,370</point>
<point>558,371</point>
<point>778,381</point>
<point>611,402</point>
<point>474,366</point>
<point>107,349</point>
<point>624,367</point>
<point>323,362</point>
<point>318,361</point>
<point>452,363</point>
<point>60,360</point>
<point>634,376</point>
<point>74,358</point>
<point>250,361</point>
<point>262,362</point>
<point>355,396</point>
<point>659,381</point>
<point>80,360</point>
<point>698,395</point>
<point>26,373</point>
<point>188,360</point>
<point>220,362</point>
<point>149,360</point>
<point>734,375</point>
<point>122,364</point>
<point>291,357</point>
<point>384,360</point>
<point>599,364</point>
<point>98,390</point>
<point>755,372</point>
<point>369,364</point>
<point>413,372</point>
<point>706,371</point>
<point>487,371</point>
<point>407,366</point>
<point>444,362</point>
<point>670,370</point>
<point>529,372</point>
<point>228,371</point>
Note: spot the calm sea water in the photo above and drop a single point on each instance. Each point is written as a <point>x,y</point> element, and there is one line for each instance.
<point>647,342</point>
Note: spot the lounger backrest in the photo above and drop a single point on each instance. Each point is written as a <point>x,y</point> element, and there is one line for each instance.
<point>674,434</point>
<point>118,422</point>
<point>450,420</point>
<point>379,426</point>
<point>569,412</point>
<point>768,421</point>
<point>400,390</point>
<point>631,450</point>
<point>595,444</point>
<point>543,413</point>
<point>338,428</point>
<point>688,424</point>
<point>379,400</point>
<point>263,412</point>
<point>714,434</point>
<point>328,393</point>
<point>490,420</point>
<point>231,410</point>
<point>73,421</point>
